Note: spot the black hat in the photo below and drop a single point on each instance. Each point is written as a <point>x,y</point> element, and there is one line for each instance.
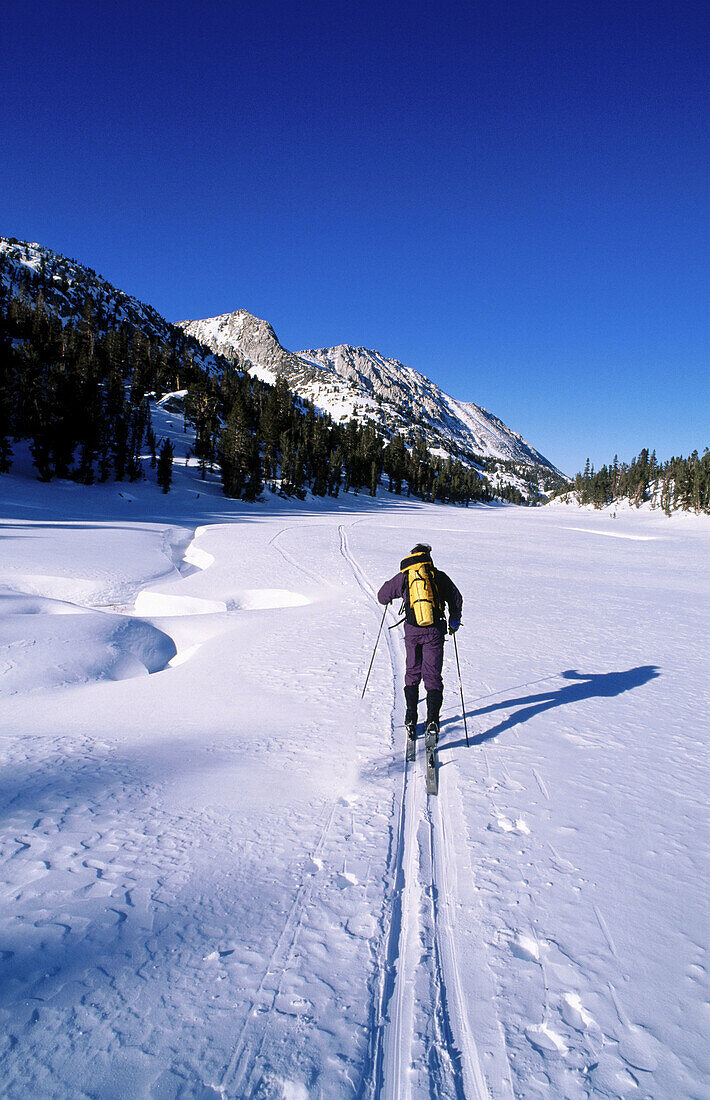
<point>419,555</point>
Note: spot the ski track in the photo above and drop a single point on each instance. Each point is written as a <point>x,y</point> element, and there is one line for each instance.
<point>614,534</point>
<point>250,1070</point>
<point>393,1043</point>
<point>275,540</point>
<point>424,1039</point>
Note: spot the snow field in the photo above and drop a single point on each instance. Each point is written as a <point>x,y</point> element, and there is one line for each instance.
<point>222,880</point>
<point>272,821</point>
<point>588,802</point>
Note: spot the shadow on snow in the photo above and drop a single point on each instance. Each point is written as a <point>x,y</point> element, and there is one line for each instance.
<point>603,685</point>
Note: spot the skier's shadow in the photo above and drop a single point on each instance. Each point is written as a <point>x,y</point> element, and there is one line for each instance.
<point>583,686</point>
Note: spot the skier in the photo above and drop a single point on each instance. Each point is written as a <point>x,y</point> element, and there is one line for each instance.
<point>424,591</point>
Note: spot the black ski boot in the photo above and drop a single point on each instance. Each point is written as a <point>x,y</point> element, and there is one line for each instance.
<point>411,695</point>
<point>433,707</point>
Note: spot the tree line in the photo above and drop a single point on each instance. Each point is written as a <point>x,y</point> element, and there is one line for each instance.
<point>260,434</point>
<point>678,483</point>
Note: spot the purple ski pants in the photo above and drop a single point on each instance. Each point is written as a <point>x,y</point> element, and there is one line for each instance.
<point>425,656</point>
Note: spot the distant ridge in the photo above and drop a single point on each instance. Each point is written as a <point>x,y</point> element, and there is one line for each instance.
<point>347,382</point>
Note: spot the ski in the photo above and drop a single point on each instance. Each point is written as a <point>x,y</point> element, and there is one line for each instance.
<point>432,770</point>
<point>411,742</point>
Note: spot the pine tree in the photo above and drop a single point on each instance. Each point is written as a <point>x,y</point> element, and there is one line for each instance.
<point>235,449</point>
<point>164,472</point>
<point>7,399</point>
<point>201,409</point>
<point>254,483</point>
<point>395,463</point>
<point>335,470</point>
<point>269,430</point>
<point>374,478</point>
<point>151,444</point>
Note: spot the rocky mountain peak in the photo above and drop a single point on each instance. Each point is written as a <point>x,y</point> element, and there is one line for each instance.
<point>347,381</point>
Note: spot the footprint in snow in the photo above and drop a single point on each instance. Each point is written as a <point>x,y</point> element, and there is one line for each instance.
<point>292,1005</point>
<point>574,1014</point>
<point>609,1078</point>
<point>345,879</point>
<point>546,1041</point>
<point>562,865</point>
<point>525,947</point>
<point>512,784</point>
<point>504,825</point>
<point>362,925</point>
<point>218,955</point>
<point>639,1049</point>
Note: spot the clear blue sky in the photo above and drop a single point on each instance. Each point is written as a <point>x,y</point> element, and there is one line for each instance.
<point>510,197</point>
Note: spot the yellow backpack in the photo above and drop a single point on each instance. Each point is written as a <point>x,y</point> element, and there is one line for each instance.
<point>423,596</point>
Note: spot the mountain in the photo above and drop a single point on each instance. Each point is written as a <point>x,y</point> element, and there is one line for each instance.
<point>347,382</point>
<point>65,286</point>
<point>57,312</point>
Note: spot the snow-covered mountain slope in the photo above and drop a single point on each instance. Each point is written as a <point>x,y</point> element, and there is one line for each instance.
<point>30,270</point>
<point>66,285</point>
<point>350,382</point>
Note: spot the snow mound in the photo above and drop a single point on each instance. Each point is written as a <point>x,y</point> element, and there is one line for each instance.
<point>546,1041</point>
<point>68,590</point>
<point>258,599</point>
<point>199,558</point>
<point>17,603</point>
<point>156,604</point>
<point>39,653</point>
<point>166,604</point>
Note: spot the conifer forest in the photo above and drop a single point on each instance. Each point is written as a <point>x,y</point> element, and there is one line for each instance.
<point>679,483</point>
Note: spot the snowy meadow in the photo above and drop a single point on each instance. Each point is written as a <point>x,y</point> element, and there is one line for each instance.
<point>219,876</point>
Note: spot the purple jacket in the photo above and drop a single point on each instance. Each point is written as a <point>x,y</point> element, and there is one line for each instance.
<point>397,589</point>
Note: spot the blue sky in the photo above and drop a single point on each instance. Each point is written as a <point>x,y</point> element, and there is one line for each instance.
<point>510,197</point>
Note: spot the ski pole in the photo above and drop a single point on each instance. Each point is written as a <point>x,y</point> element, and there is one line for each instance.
<point>372,660</point>
<point>463,705</point>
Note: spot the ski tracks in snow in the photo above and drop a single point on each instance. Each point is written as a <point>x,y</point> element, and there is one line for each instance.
<point>273,1054</point>
<point>275,541</point>
<point>423,1044</point>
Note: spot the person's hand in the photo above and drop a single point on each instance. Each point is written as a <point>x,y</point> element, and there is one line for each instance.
<point>454,624</point>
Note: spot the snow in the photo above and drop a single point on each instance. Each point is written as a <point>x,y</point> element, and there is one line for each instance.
<point>28,256</point>
<point>615,534</point>
<point>221,879</point>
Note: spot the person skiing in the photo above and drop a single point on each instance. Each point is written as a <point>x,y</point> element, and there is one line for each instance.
<point>426,592</point>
